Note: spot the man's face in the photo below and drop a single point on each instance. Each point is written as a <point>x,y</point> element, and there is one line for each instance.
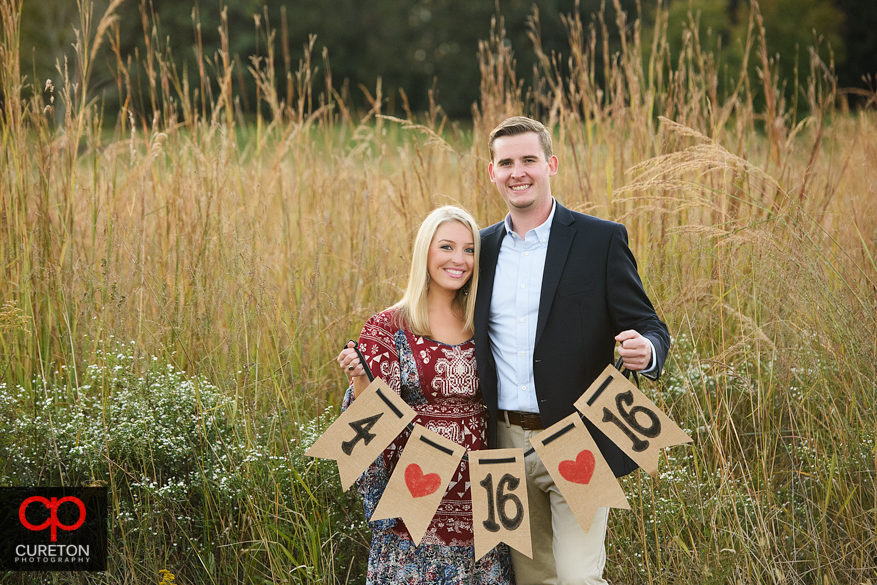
<point>521,173</point>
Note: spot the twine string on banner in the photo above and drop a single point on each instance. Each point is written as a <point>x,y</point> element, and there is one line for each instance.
<point>371,378</point>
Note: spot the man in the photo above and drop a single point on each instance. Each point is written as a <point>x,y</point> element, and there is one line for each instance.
<point>557,290</point>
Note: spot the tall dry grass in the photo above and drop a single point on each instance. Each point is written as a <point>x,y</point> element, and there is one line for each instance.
<point>243,252</point>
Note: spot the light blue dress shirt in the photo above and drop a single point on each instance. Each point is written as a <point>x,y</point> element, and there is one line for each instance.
<point>514,311</point>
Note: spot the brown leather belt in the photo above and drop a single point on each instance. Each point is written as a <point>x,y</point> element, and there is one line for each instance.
<point>528,421</point>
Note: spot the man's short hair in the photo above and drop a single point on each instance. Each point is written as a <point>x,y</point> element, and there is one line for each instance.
<point>521,125</point>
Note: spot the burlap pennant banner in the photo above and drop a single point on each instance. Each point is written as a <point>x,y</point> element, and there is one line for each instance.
<point>419,481</point>
<point>363,431</point>
<point>500,509</point>
<point>629,419</point>
<point>571,456</point>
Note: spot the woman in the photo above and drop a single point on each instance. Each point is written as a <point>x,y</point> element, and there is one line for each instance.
<point>422,347</point>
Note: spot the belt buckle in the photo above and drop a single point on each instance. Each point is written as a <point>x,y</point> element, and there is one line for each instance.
<point>530,421</point>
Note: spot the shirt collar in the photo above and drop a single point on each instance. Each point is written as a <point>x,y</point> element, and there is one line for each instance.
<point>542,232</point>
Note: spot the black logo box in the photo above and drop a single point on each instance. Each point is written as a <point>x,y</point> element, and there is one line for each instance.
<point>28,545</point>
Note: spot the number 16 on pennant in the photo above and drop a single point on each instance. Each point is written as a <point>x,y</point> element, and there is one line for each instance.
<point>500,509</point>
<point>629,419</point>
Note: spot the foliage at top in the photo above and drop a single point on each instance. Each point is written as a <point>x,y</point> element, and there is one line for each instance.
<point>419,50</point>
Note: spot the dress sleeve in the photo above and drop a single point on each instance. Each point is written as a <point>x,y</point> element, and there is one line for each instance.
<point>348,398</point>
<point>629,306</point>
<point>377,342</point>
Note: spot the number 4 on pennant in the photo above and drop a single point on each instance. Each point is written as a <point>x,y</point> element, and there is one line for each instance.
<point>365,429</point>
<point>362,428</point>
<point>629,419</point>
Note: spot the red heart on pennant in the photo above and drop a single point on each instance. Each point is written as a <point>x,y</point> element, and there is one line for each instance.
<point>422,485</point>
<point>580,470</point>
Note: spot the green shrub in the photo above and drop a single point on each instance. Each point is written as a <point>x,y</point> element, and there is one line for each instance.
<point>199,484</point>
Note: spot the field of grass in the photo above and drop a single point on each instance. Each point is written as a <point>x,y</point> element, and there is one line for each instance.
<point>175,284</point>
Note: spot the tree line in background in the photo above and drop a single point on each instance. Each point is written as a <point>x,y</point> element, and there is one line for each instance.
<point>423,52</point>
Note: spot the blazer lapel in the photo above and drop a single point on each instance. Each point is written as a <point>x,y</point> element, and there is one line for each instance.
<point>490,243</point>
<point>559,242</point>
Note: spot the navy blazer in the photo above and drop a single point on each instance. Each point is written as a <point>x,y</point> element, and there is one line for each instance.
<point>591,292</point>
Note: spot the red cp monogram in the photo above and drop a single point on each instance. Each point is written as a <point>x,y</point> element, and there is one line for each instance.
<point>53,518</point>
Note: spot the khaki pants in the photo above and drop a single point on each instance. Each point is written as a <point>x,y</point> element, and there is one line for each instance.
<point>562,553</point>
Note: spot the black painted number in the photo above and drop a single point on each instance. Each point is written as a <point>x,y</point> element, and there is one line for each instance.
<point>497,507</point>
<point>363,429</point>
<point>629,416</point>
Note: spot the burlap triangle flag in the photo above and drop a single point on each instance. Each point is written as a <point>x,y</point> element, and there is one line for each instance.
<point>363,431</point>
<point>577,467</point>
<point>629,419</point>
<point>500,508</point>
<point>419,481</point>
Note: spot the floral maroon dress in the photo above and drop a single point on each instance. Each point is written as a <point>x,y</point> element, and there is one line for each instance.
<point>440,383</point>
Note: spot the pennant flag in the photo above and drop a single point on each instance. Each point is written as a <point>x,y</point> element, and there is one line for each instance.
<point>577,467</point>
<point>500,509</point>
<point>363,431</point>
<point>421,477</point>
<point>629,419</point>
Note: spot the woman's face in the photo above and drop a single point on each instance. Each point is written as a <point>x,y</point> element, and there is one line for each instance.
<point>451,257</point>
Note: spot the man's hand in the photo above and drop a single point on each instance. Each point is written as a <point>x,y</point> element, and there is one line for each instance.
<point>635,350</point>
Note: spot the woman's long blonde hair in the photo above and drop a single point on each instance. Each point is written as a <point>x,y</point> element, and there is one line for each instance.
<point>412,310</point>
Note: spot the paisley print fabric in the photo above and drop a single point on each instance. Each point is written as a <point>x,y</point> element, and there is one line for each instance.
<point>440,383</point>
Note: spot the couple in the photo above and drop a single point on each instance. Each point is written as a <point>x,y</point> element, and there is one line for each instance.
<point>538,301</point>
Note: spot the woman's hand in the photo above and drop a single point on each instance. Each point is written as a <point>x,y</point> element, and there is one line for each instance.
<point>350,365</point>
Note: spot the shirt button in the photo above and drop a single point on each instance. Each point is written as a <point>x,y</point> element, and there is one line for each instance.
<point>526,253</point>
<point>523,387</point>
<point>522,319</point>
<point>543,241</point>
<point>523,286</point>
<point>523,352</point>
